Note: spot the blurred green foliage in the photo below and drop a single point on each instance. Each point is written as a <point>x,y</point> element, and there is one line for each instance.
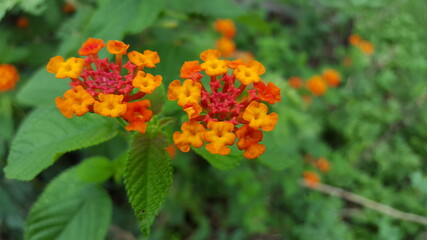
<point>372,128</point>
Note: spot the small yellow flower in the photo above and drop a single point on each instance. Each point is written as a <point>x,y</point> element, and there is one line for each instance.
<point>70,68</point>
<point>192,134</point>
<point>249,73</point>
<point>55,64</point>
<point>76,101</point>
<point>212,65</point>
<point>146,82</point>
<point>148,59</point>
<point>117,47</point>
<point>189,92</point>
<point>220,136</point>
<point>256,114</point>
<point>110,105</point>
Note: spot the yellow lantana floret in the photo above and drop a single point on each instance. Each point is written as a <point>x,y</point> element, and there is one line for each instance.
<point>110,105</point>
<point>250,72</point>
<point>70,68</point>
<point>189,92</point>
<point>54,64</point>
<point>220,135</point>
<point>76,101</point>
<point>193,110</point>
<point>148,59</point>
<point>117,47</point>
<point>146,83</point>
<point>256,114</point>
<point>192,134</point>
<point>212,65</point>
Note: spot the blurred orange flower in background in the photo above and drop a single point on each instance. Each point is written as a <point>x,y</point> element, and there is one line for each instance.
<point>8,77</point>
<point>317,85</point>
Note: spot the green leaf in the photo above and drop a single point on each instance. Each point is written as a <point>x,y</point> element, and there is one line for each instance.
<point>148,177</point>
<point>6,117</point>
<point>219,161</point>
<point>35,92</point>
<point>70,208</point>
<point>95,169</point>
<point>46,135</point>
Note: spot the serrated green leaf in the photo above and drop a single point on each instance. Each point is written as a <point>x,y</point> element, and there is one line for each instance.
<point>46,135</point>
<point>95,169</point>
<point>219,161</point>
<point>148,177</point>
<point>69,208</point>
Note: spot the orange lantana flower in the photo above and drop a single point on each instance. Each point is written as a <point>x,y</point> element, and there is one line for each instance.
<point>212,65</point>
<point>91,47</point>
<point>193,134</point>
<point>250,72</point>
<point>220,135</point>
<point>269,93</point>
<point>317,85</point>
<point>366,47</point>
<point>226,27</point>
<point>226,106</point>
<point>354,39</point>
<point>75,101</point>
<point>107,87</point>
<point>146,83</point>
<point>332,77</point>
<point>189,68</point>
<point>147,59</point>
<point>8,77</point>
<point>256,115</point>
<point>226,46</point>
<point>110,105</point>
<point>323,165</point>
<point>68,69</point>
<point>249,139</point>
<point>311,179</point>
<point>117,47</point>
<point>137,114</point>
<point>295,82</point>
<point>189,92</point>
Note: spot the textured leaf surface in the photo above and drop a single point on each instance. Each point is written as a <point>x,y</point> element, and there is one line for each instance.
<point>219,161</point>
<point>148,177</point>
<point>70,209</point>
<point>35,92</point>
<point>95,169</point>
<point>46,134</point>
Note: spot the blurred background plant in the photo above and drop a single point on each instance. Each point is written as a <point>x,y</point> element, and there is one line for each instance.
<point>370,130</point>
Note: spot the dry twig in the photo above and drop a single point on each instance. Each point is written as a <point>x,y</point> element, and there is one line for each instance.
<point>365,202</point>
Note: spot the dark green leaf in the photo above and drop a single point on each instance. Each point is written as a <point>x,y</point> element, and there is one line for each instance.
<point>46,135</point>
<point>70,208</point>
<point>148,177</point>
<point>95,169</point>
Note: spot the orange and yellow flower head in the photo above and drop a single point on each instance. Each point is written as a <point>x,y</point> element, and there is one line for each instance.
<point>111,89</point>
<point>317,85</point>
<point>233,108</point>
<point>332,77</point>
<point>8,77</point>
<point>226,27</point>
<point>366,46</point>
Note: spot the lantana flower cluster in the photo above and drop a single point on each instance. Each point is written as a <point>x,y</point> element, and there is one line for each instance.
<point>8,77</point>
<point>317,84</point>
<point>366,46</point>
<point>225,43</point>
<point>107,88</point>
<point>230,107</point>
